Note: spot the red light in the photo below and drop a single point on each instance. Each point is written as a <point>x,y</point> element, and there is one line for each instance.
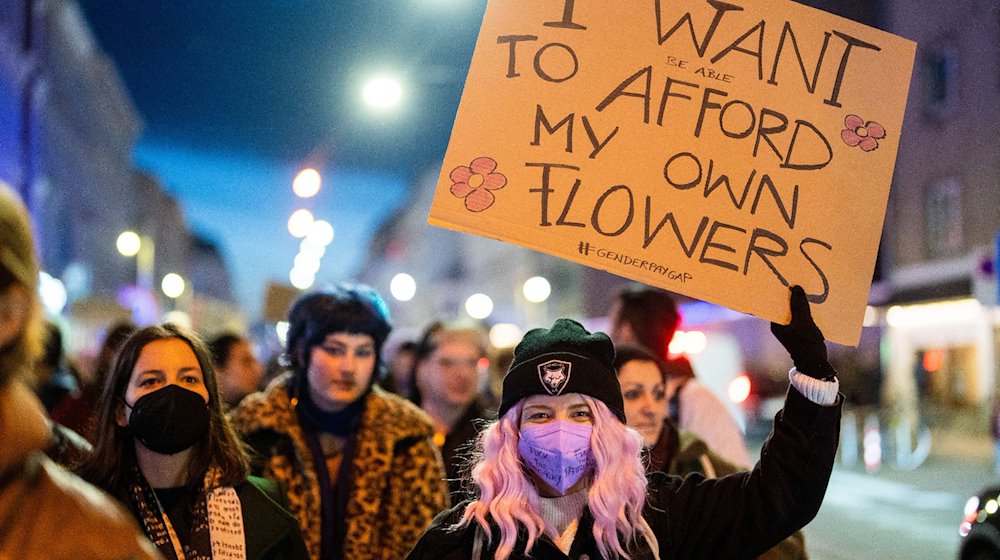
<point>739,388</point>
<point>483,363</point>
<point>933,360</point>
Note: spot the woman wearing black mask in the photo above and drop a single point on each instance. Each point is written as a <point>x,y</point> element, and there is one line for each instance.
<point>165,449</point>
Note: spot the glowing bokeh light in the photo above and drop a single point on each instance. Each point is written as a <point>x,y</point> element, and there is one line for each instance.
<point>177,317</point>
<point>299,223</point>
<point>536,289</point>
<point>52,293</point>
<point>321,232</point>
<point>307,262</point>
<point>128,243</point>
<point>739,388</point>
<point>281,329</point>
<point>505,335</point>
<point>172,285</point>
<point>479,306</point>
<point>301,278</point>
<point>382,92</point>
<point>307,183</point>
<point>691,342</point>
<point>403,287</point>
<point>311,247</point>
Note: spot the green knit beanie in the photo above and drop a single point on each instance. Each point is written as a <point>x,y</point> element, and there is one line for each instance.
<point>561,360</point>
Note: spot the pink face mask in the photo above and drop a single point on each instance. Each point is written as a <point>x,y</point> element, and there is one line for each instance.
<point>558,452</point>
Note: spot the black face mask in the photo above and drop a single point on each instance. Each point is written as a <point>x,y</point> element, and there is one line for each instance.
<point>169,420</point>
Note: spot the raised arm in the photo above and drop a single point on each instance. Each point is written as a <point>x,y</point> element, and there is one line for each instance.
<point>744,514</point>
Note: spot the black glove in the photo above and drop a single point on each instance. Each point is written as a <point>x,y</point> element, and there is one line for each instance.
<point>803,340</point>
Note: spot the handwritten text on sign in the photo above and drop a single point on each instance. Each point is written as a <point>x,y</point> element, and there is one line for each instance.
<point>724,150</point>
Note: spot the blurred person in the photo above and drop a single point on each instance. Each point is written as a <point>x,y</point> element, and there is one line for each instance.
<point>560,474</point>
<point>399,378</point>
<point>695,408</point>
<point>236,367</point>
<point>643,382</point>
<point>78,412</point>
<point>56,377</point>
<point>166,450</point>
<point>446,376</point>
<point>45,512</point>
<point>359,464</point>
<point>648,317</point>
<point>57,381</point>
<point>502,357</point>
<point>274,367</point>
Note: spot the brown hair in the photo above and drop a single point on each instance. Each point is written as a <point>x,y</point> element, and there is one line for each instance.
<point>114,451</point>
<point>438,333</point>
<point>651,313</point>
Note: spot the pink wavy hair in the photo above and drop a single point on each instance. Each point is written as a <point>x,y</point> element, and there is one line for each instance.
<point>615,496</point>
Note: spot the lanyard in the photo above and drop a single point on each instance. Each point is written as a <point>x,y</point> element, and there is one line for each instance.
<point>171,534</point>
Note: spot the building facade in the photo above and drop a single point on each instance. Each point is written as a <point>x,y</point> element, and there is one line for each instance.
<point>67,133</point>
<point>937,302</point>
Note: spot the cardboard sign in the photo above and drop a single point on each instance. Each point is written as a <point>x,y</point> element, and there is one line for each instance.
<point>722,150</point>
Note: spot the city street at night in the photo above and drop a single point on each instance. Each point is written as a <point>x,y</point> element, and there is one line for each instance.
<point>500,280</point>
<point>901,515</point>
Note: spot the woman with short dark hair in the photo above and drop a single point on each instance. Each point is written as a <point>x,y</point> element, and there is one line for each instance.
<point>359,464</point>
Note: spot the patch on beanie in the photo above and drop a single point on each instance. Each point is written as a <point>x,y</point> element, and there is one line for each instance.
<point>554,375</point>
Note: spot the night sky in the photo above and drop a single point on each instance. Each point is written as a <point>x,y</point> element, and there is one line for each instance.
<point>237,96</point>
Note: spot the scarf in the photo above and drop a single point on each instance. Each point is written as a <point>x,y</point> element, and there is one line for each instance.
<point>333,503</point>
<point>216,529</point>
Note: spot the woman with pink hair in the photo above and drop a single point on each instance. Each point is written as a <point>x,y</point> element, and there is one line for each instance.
<point>559,473</point>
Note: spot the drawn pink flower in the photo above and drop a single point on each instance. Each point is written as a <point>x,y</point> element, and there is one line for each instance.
<point>864,135</point>
<point>475,181</point>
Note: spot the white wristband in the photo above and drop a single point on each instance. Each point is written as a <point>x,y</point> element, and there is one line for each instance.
<point>816,390</point>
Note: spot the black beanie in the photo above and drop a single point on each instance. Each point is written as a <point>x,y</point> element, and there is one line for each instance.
<point>560,360</point>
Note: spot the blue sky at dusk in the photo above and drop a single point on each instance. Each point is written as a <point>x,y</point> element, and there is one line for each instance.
<point>236,97</point>
<point>243,203</point>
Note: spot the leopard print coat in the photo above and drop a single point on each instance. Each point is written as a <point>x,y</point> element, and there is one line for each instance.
<point>398,475</point>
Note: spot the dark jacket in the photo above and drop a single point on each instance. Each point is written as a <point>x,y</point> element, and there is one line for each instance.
<point>734,517</point>
<point>459,443</point>
<point>680,452</point>
<point>272,533</point>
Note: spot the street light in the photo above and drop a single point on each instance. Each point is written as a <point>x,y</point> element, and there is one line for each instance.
<point>128,243</point>
<point>479,306</point>
<point>382,92</point>
<point>403,287</point>
<point>172,285</point>
<point>131,244</point>
<point>307,183</point>
<point>320,232</point>
<point>302,278</point>
<point>299,223</point>
<point>505,335</point>
<point>536,289</point>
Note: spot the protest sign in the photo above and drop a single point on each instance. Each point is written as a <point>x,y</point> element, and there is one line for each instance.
<point>722,150</point>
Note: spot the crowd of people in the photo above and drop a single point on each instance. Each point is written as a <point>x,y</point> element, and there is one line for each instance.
<point>576,444</point>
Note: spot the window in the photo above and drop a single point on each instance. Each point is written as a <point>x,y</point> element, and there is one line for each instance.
<point>944,218</point>
<point>940,78</point>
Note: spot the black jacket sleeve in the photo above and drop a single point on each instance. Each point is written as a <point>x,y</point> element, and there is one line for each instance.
<point>744,514</point>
